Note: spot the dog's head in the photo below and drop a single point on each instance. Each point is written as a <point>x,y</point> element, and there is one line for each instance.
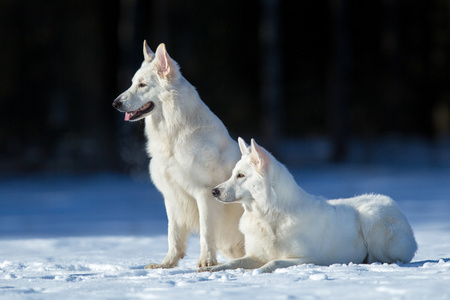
<point>249,176</point>
<point>149,83</point>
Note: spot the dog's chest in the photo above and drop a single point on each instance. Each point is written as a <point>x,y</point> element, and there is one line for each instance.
<point>260,238</point>
<point>170,169</point>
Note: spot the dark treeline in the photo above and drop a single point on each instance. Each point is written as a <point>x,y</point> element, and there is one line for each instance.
<point>340,69</point>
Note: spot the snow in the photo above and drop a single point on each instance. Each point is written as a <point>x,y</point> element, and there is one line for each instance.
<point>74,237</point>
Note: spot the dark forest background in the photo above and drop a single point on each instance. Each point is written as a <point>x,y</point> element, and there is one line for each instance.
<point>338,70</point>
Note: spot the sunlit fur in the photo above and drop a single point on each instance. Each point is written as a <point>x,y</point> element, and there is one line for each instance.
<point>284,226</point>
<point>191,152</point>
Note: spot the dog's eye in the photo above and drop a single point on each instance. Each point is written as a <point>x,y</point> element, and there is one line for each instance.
<point>240,175</point>
<point>142,85</point>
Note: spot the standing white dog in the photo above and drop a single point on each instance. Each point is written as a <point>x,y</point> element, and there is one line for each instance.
<point>285,226</point>
<point>191,152</point>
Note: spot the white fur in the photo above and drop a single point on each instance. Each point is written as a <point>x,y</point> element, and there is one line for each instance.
<point>191,152</point>
<point>285,226</point>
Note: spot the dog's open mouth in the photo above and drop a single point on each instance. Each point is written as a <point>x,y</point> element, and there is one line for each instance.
<point>228,201</point>
<point>133,115</point>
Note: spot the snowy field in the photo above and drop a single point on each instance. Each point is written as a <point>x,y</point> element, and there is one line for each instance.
<point>89,237</point>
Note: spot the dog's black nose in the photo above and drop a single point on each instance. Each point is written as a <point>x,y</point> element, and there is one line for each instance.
<point>116,104</point>
<point>215,192</point>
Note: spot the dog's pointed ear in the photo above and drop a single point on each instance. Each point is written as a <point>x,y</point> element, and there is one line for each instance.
<point>165,64</point>
<point>258,156</point>
<point>243,146</point>
<point>148,53</point>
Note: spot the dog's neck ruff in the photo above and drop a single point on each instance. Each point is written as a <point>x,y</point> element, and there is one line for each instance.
<point>177,118</point>
<point>286,196</point>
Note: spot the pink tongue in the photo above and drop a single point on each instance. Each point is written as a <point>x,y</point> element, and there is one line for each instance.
<point>127,116</point>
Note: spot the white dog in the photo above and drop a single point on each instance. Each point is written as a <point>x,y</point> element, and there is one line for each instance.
<point>285,226</point>
<point>191,152</point>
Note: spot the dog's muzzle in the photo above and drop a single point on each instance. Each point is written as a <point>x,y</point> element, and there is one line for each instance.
<point>133,115</point>
<point>217,193</point>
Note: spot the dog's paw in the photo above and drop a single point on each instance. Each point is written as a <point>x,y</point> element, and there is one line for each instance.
<point>204,269</point>
<point>207,262</point>
<point>216,268</point>
<point>159,266</point>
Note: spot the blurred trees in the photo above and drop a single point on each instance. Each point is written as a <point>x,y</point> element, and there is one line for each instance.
<point>343,69</point>
<point>58,73</point>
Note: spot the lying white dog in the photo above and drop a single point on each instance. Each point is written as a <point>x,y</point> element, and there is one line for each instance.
<point>284,226</point>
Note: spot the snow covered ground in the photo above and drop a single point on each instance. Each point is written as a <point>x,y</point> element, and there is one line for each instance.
<point>75,237</point>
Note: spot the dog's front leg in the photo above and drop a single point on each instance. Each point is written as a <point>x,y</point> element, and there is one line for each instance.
<point>208,209</point>
<point>246,262</point>
<point>177,236</point>
<point>282,263</point>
